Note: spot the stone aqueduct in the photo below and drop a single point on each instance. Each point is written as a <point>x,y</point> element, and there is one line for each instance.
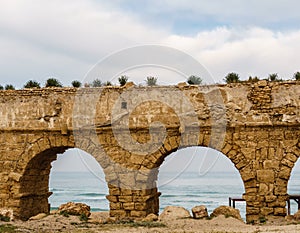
<point>256,125</point>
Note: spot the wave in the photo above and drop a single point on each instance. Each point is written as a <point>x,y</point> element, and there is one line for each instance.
<point>92,194</point>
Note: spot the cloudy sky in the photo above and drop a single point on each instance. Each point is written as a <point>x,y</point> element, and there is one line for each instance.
<point>64,39</point>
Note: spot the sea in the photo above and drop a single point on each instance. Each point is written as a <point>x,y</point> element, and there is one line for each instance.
<point>188,189</point>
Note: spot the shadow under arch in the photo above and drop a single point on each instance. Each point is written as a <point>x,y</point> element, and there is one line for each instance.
<point>197,175</point>
<point>34,184</point>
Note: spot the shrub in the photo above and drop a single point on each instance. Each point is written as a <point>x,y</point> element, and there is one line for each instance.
<point>97,83</point>
<point>9,87</point>
<point>253,80</point>
<point>8,228</point>
<point>151,81</point>
<point>297,76</point>
<point>4,218</point>
<point>262,219</point>
<point>76,83</point>
<point>108,83</point>
<point>83,217</point>
<point>194,80</point>
<point>232,78</point>
<point>53,82</point>
<point>123,80</point>
<point>32,84</point>
<point>274,77</point>
<point>65,214</point>
<point>1,87</point>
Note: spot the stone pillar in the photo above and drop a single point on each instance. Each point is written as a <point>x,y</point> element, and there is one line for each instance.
<point>132,204</point>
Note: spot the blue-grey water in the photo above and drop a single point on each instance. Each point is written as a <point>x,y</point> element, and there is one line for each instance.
<point>188,189</point>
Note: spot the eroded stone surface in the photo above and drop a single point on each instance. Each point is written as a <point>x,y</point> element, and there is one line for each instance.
<point>227,211</point>
<point>73,208</point>
<point>256,125</point>
<point>174,212</point>
<point>199,212</point>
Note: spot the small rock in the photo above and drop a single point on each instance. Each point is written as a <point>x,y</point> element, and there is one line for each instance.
<point>289,218</point>
<point>150,218</point>
<point>38,216</point>
<point>128,85</point>
<point>111,220</point>
<point>98,217</point>
<point>53,212</point>
<point>262,83</point>
<point>182,84</point>
<point>174,212</point>
<point>199,212</point>
<point>7,213</point>
<point>227,211</point>
<point>297,215</point>
<point>96,221</point>
<point>73,208</point>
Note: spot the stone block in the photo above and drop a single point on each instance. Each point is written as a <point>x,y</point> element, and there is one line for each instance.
<point>128,206</point>
<point>252,218</point>
<point>279,211</point>
<point>277,203</point>
<point>15,176</point>
<point>114,191</point>
<point>112,198</point>
<point>226,211</point>
<point>287,163</point>
<point>271,164</point>
<point>150,218</point>
<point>284,172</point>
<point>117,213</point>
<point>173,141</point>
<point>141,199</point>
<point>270,198</point>
<point>271,155</point>
<point>174,212</point>
<point>125,199</point>
<point>280,190</point>
<point>242,164</point>
<point>247,176</point>
<point>263,189</point>
<point>126,192</point>
<point>266,211</point>
<point>199,212</point>
<point>140,206</point>
<point>250,184</point>
<point>138,214</point>
<point>290,156</point>
<point>266,176</point>
<point>146,192</point>
<point>115,205</point>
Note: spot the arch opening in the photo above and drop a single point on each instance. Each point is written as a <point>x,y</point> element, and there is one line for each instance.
<point>40,182</point>
<point>294,187</point>
<point>76,176</point>
<point>199,176</point>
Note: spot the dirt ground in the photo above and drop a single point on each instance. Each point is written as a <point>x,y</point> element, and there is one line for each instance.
<point>98,223</point>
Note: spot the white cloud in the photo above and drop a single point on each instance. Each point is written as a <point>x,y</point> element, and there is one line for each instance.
<point>252,51</point>
<point>65,38</point>
<point>62,37</point>
<point>235,12</point>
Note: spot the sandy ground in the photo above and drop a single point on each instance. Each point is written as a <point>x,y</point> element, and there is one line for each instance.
<point>97,223</point>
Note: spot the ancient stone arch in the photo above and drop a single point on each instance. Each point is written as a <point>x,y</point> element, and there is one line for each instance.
<point>130,130</point>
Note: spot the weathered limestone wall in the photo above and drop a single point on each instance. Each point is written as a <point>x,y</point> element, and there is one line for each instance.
<point>130,130</point>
